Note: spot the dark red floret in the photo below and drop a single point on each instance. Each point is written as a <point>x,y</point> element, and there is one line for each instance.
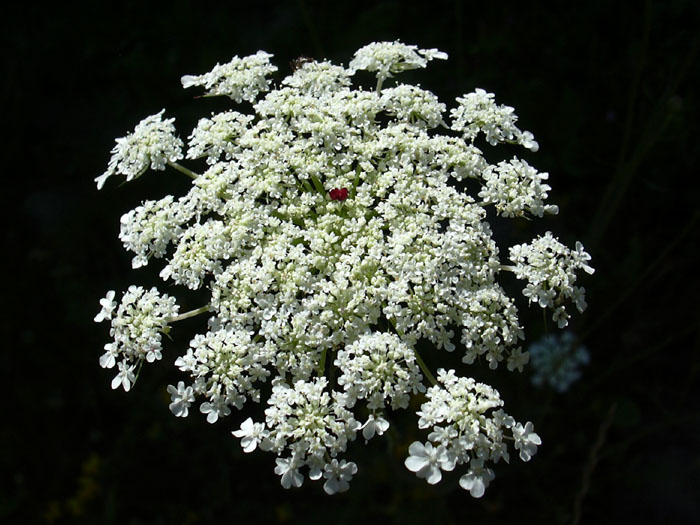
<point>339,194</point>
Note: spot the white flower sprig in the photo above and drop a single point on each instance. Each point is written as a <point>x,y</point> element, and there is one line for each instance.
<point>332,234</point>
<point>137,325</point>
<point>390,58</point>
<point>152,144</point>
<point>240,79</point>
<point>549,268</point>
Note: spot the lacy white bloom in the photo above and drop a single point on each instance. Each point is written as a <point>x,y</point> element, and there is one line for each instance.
<point>149,229</point>
<point>550,268</point>
<point>217,136</point>
<point>313,425</point>
<point>151,145</point>
<point>411,104</point>
<point>109,358</point>
<point>309,419</point>
<point>240,79</point>
<point>389,58</point>
<point>217,407</point>
<point>315,78</point>
<point>516,188</point>
<point>478,113</point>
<point>490,326</point>
<point>468,428</point>
<point>141,318</point>
<point>333,234</point>
<point>226,364</point>
<point>379,367</point>
<point>557,360</point>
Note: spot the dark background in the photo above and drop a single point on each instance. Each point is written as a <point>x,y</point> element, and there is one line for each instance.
<point>610,90</point>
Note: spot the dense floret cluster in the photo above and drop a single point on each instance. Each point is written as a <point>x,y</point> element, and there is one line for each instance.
<point>330,233</point>
<point>152,144</point>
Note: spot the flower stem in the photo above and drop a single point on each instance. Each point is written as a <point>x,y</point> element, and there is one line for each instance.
<point>182,169</point>
<point>187,315</point>
<point>317,184</point>
<point>322,363</point>
<point>424,368</point>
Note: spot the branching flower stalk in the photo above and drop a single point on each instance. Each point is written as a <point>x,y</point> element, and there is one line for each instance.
<point>333,235</point>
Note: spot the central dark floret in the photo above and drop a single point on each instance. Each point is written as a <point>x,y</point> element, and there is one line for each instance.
<point>339,194</point>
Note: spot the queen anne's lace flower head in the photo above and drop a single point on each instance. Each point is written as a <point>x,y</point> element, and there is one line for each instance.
<point>240,79</point>
<point>336,236</point>
<point>468,427</point>
<point>390,58</point>
<point>151,145</point>
<point>549,268</point>
<point>140,319</point>
<point>478,113</point>
<point>516,188</point>
<point>217,136</point>
<point>379,367</point>
<point>315,78</point>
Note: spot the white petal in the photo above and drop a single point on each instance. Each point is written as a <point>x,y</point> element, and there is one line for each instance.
<point>331,486</point>
<point>434,476</point>
<point>415,463</point>
<point>416,449</point>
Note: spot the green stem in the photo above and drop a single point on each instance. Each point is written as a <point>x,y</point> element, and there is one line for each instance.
<point>380,81</point>
<point>187,315</point>
<point>424,368</point>
<point>322,363</point>
<point>182,169</point>
<point>307,186</point>
<point>317,184</point>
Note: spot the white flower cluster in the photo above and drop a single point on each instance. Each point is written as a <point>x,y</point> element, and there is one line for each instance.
<point>516,188</point>
<point>216,137</point>
<point>137,325</point>
<point>313,426</point>
<point>379,367</point>
<point>333,239</point>
<point>411,104</point>
<point>478,113</point>
<point>151,145</point>
<point>468,427</point>
<point>240,79</point>
<point>225,364</point>
<point>389,58</point>
<point>557,360</point>
<point>550,268</point>
<point>314,78</point>
<point>148,229</point>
